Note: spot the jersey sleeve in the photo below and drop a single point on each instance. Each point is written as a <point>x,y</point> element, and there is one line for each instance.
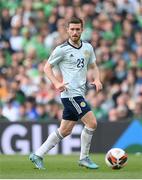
<point>92,58</point>
<point>56,56</point>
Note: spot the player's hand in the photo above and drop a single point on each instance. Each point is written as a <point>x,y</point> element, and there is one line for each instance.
<point>98,85</point>
<point>61,86</point>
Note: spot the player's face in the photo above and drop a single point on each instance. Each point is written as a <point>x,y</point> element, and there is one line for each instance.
<point>74,31</point>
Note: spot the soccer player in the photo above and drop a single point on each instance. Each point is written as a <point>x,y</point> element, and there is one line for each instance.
<point>72,58</point>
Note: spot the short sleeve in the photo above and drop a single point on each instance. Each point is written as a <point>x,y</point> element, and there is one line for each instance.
<point>92,58</point>
<point>56,56</point>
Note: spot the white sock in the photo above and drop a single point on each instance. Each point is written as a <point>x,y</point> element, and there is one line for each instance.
<point>53,139</point>
<point>86,137</point>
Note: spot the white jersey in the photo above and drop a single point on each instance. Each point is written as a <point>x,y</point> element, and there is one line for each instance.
<point>73,63</point>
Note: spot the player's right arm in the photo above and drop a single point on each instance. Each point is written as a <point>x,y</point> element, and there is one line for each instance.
<point>53,60</point>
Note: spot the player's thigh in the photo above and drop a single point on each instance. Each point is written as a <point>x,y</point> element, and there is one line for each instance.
<point>89,120</point>
<point>66,127</point>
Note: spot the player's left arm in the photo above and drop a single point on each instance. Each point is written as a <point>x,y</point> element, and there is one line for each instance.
<point>96,77</point>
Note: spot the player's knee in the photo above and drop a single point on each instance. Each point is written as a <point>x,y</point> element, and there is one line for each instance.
<point>93,124</point>
<point>65,132</point>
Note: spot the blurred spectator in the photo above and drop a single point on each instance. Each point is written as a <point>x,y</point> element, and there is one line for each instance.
<point>18,94</point>
<point>6,22</point>
<point>122,107</point>
<point>31,112</point>
<point>11,111</point>
<point>3,89</point>
<point>42,114</point>
<point>113,115</point>
<point>22,113</point>
<point>138,107</point>
<point>15,40</point>
<point>96,102</point>
<point>54,109</point>
<point>2,117</point>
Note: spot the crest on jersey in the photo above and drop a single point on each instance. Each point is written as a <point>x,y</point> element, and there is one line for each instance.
<point>82,104</point>
<point>86,54</point>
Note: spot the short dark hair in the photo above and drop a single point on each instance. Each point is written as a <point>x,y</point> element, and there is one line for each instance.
<point>75,20</point>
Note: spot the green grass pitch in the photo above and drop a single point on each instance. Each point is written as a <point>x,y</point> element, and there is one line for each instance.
<point>66,167</point>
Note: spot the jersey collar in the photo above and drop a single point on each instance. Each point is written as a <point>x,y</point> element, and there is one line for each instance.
<point>74,46</point>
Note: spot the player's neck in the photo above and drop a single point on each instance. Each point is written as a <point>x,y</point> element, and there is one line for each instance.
<point>76,44</point>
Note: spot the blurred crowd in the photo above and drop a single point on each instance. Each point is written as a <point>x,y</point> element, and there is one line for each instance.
<point>31,29</point>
